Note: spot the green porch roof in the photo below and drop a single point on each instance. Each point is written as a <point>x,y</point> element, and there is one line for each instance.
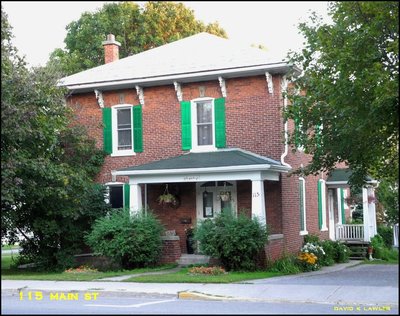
<point>215,159</point>
<point>342,175</point>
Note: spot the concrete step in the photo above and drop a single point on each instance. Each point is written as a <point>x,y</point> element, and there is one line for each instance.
<point>188,259</point>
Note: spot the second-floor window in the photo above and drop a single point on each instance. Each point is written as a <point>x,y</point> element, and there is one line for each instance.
<point>124,129</point>
<point>123,132</point>
<point>203,124</point>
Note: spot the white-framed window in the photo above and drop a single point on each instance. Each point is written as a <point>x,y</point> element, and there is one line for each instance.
<point>203,124</point>
<point>302,206</point>
<point>322,204</point>
<point>115,194</point>
<point>122,130</point>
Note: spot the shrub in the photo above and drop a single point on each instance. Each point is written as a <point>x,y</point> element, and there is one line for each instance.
<point>380,251</point>
<point>314,239</point>
<point>330,252</point>
<point>342,252</point>
<point>131,241</point>
<point>387,235</point>
<point>286,265</point>
<point>235,241</point>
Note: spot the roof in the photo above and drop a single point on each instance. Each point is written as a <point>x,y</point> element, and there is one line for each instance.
<point>342,175</point>
<point>200,56</point>
<point>221,159</point>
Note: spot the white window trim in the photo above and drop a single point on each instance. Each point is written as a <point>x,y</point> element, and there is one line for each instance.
<point>323,196</point>
<point>115,151</point>
<point>193,110</point>
<point>304,231</point>
<point>113,184</point>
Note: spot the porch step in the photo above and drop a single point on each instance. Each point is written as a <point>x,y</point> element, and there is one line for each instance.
<point>187,259</point>
<point>359,250</point>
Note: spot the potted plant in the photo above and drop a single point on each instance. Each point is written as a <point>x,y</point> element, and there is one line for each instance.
<point>167,198</point>
<point>225,196</point>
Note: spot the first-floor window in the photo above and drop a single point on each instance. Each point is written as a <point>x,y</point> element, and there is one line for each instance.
<point>117,194</point>
<point>322,205</point>
<point>302,206</point>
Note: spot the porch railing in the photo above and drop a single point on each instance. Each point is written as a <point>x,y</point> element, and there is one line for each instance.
<point>349,232</point>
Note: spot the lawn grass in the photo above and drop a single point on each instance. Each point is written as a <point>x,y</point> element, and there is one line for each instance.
<point>8,273</point>
<point>379,261</point>
<point>183,276</point>
<point>9,247</point>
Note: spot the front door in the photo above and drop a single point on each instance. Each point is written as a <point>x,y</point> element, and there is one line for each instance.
<point>331,214</point>
<point>214,197</point>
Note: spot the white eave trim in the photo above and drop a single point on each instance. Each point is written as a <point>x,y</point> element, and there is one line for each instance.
<point>281,67</point>
<point>263,167</point>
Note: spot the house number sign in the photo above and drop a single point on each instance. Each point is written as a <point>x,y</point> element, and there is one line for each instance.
<point>256,194</point>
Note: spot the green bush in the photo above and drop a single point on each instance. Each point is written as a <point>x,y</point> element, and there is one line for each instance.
<point>328,258</point>
<point>342,252</point>
<point>387,235</point>
<point>131,241</point>
<point>313,239</point>
<point>235,241</point>
<point>380,251</point>
<point>285,265</point>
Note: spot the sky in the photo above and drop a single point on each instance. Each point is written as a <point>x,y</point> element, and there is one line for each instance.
<point>39,27</point>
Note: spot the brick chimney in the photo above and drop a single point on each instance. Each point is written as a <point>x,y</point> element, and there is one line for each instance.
<point>111,49</point>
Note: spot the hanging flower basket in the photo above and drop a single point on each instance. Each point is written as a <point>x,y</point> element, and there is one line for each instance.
<point>225,196</point>
<point>168,199</point>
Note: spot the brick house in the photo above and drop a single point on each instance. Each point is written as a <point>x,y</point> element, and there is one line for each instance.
<point>197,118</point>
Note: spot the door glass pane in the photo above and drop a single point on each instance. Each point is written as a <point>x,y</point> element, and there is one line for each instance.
<point>208,207</point>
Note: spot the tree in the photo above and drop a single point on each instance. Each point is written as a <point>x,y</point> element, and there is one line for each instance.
<point>349,109</point>
<point>48,165</point>
<point>135,28</point>
<point>388,195</point>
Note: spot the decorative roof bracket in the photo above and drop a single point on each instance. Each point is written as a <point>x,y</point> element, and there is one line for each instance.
<point>178,90</point>
<point>222,85</point>
<point>270,84</point>
<point>140,94</point>
<point>99,97</point>
<point>284,84</point>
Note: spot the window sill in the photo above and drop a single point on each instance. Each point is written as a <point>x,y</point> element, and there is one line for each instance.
<point>303,232</point>
<point>122,154</point>
<point>324,229</point>
<point>203,149</point>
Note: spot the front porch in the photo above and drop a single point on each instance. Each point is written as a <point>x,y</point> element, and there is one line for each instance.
<point>198,180</point>
<point>336,183</point>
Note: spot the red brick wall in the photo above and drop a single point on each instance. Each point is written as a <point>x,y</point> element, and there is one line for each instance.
<point>171,251</point>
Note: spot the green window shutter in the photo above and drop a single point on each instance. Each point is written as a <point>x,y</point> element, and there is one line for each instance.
<point>320,204</point>
<point>137,128</point>
<point>126,195</point>
<point>301,188</point>
<point>342,206</point>
<point>220,137</point>
<point>107,130</point>
<point>186,125</point>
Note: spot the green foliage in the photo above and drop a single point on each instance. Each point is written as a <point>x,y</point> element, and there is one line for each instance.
<point>386,233</point>
<point>286,265</point>
<point>388,195</point>
<point>131,241</point>
<point>47,165</point>
<point>380,251</point>
<point>350,76</point>
<point>137,29</point>
<point>235,241</point>
<point>310,238</point>
<point>342,252</point>
<point>328,258</point>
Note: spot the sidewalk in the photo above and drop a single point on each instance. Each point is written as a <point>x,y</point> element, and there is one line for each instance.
<point>268,290</point>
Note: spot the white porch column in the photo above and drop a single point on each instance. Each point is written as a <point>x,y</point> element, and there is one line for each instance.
<point>339,206</point>
<point>365,214</point>
<point>258,201</point>
<point>135,203</point>
<point>372,213</point>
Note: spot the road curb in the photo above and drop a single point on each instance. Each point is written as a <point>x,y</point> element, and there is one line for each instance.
<point>193,295</point>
